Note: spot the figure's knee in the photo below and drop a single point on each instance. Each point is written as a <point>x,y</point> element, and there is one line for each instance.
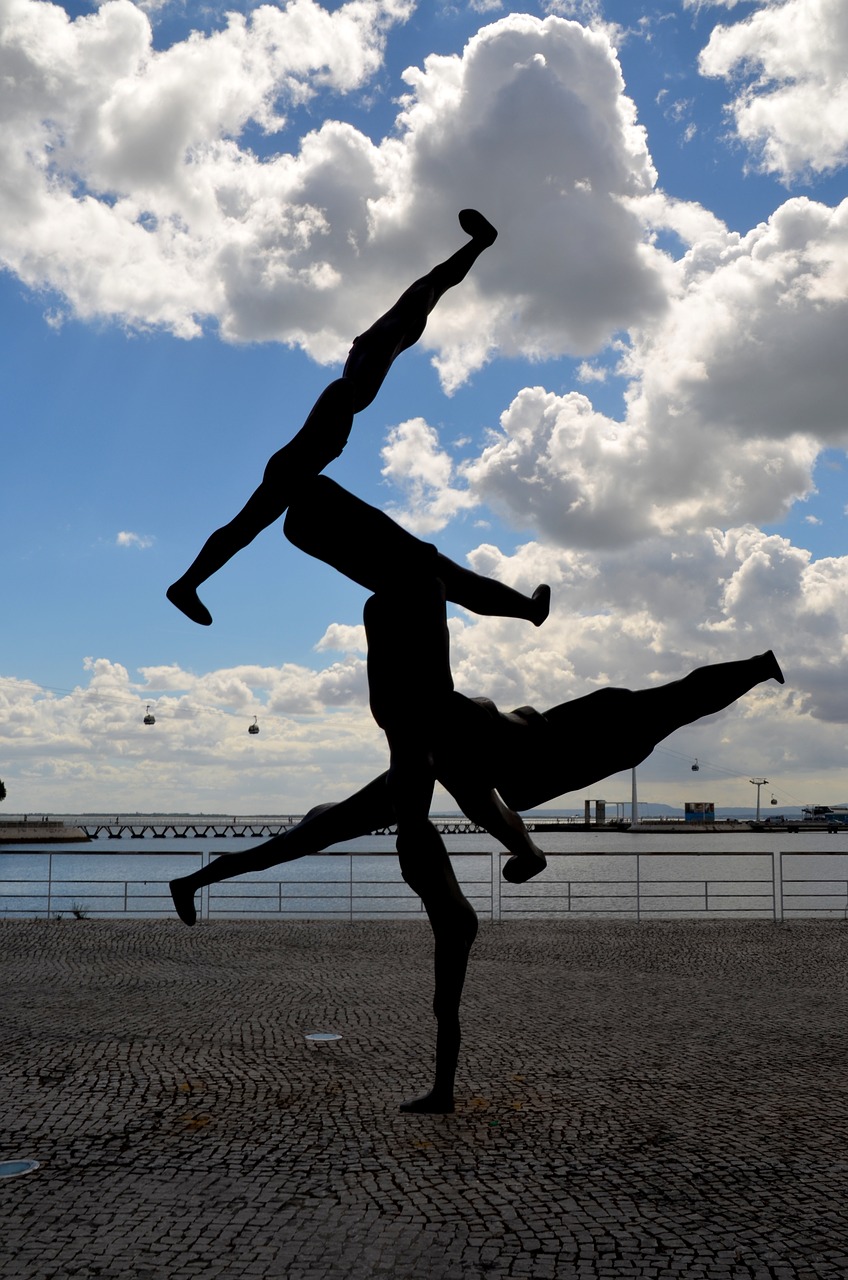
<point>325,432</point>
<point>317,810</point>
<point>308,510</point>
<point>277,471</point>
<point>337,399</point>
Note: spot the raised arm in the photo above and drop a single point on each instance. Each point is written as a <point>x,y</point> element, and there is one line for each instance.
<point>484,807</point>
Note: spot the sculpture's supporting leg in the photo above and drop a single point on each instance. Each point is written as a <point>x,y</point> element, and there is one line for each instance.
<point>407,633</point>
<point>427,870</point>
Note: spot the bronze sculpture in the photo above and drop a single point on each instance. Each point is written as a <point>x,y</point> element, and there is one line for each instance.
<point>493,763</point>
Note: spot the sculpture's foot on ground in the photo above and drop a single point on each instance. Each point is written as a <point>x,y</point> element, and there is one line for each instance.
<point>542,604</point>
<point>774,671</point>
<point>188,602</point>
<point>183,901</point>
<point>476,226</point>
<point>522,867</point>
<point>433,1103</point>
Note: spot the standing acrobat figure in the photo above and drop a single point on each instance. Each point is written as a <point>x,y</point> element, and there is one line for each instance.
<point>324,434</point>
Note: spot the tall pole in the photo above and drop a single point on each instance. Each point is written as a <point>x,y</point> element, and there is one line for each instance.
<point>634,803</point>
<point>758,782</point>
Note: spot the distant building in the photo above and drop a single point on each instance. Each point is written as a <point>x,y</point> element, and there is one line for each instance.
<point>700,811</point>
<point>832,814</point>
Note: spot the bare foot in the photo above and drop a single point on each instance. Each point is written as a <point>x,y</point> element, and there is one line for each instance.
<point>432,1103</point>
<point>188,602</point>
<point>522,867</point>
<point>774,672</point>
<point>542,600</point>
<point>476,226</point>
<point>183,901</point>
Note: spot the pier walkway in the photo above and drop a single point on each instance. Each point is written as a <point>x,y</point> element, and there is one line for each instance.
<point>228,828</point>
<point>142,826</point>
<point>635,1102</point>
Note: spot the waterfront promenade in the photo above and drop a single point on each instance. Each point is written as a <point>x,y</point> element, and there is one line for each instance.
<point>634,1100</point>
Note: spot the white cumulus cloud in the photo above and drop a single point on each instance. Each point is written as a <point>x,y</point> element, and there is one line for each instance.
<point>732,395</point>
<point>128,187</point>
<point>792,109</point>
<point>416,463</point>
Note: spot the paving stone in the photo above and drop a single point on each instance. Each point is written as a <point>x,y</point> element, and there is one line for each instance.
<point>641,1102</point>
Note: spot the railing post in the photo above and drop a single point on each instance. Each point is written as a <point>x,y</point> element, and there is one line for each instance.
<point>203,913</point>
<point>707,897</point>
<point>638,890</point>
<point>777,885</point>
<point>495,863</point>
<point>350,888</point>
<point>49,883</point>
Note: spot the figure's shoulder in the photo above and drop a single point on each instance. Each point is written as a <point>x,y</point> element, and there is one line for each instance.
<point>521,716</point>
<point>485,703</point>
<point>527,715</point>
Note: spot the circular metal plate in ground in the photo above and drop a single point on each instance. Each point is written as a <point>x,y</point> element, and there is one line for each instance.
<point>322,1035</point>
<point>13,1168</point>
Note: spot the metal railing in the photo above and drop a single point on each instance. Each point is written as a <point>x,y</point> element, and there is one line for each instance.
<point>349,889</point>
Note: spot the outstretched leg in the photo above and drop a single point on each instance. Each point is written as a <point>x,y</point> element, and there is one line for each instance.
<point>427,870</point>
<point>367,546</point>
<point>324,825</point>
<point>374,351</point>
<point>321,438</point>
<point>652,714</point>
<point>580,742</point>
<point>325,432</point>
<point>703,692</point>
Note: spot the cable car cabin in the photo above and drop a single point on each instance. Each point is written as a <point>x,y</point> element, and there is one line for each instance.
<point>253,728</point>
<point>149,719</point>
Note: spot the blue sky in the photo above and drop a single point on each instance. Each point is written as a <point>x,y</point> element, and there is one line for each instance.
<point>638,395</point>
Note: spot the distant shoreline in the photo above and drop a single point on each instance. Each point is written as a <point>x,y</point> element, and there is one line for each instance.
<point>94,828</point>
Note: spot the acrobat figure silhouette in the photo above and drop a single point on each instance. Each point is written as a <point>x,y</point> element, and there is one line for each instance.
<point>325,433</point>
<point>493,763</point>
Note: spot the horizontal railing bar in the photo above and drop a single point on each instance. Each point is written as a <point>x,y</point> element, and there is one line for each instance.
<point>87,851</point>
<point>291,895</point>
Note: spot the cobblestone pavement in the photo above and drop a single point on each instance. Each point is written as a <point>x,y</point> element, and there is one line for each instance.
<point>635,1100</point>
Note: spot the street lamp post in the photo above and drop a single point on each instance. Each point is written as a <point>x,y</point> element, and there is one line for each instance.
<point>758,782</point>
